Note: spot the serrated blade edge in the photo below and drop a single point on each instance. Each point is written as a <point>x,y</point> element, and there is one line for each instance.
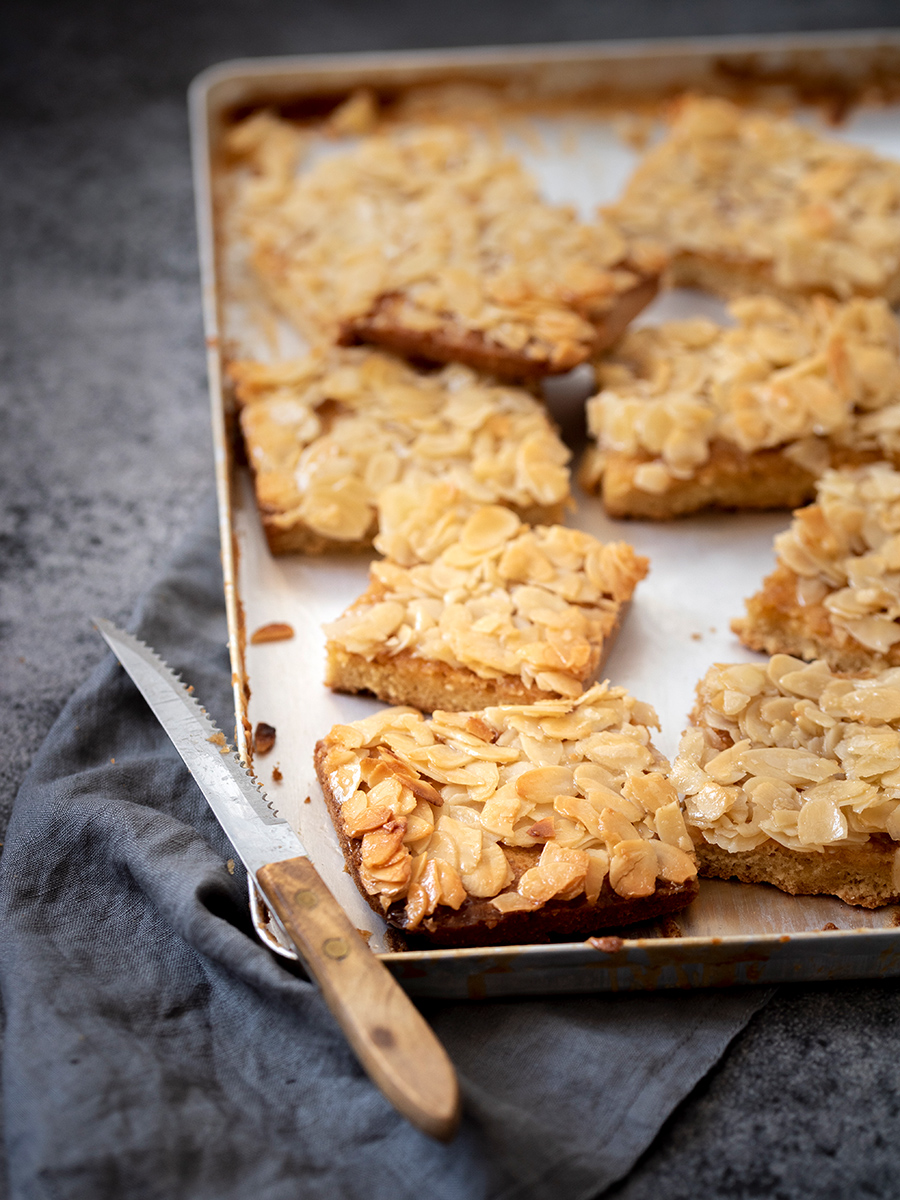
<point>257,833</point>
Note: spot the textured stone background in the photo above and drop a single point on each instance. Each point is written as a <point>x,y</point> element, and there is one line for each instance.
<point>106,451</point>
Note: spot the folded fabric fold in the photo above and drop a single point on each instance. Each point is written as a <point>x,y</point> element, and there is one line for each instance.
<point>153,1048</point>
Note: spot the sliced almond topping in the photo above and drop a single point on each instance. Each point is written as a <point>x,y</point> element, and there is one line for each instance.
<point>543,830</point>
<point>544,784</point>
<point>574,806</point>
<point>597,871</point>
<point>380,846</point>
<point>633,868</point>
<point>814,774</point>
<point>674,864</point>
<point>615,828</point>
<point>488,527</point>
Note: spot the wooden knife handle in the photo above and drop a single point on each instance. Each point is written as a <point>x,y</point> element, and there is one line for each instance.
<point>394,1043</point>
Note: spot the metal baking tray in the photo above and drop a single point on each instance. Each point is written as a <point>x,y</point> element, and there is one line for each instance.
<point>570,112</point>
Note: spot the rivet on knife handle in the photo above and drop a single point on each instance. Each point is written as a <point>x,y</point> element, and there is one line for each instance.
<point>392,1040</point>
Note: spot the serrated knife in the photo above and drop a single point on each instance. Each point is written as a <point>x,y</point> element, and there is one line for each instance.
<point>393,1042</point>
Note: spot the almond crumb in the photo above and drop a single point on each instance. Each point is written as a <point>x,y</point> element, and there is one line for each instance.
<point>830,925</point>
<point>229,866</point>
<point>365,934</point>
<point>264,738</point>
<point>696,637</point>
<point>308,800</point>
<point>276,774</point>
<point>275,631</point>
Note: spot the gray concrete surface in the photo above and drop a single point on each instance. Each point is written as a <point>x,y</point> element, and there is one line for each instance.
<point>105,453</point>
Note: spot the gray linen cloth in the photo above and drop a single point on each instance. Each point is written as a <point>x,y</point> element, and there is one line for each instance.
<point>153,1048</point>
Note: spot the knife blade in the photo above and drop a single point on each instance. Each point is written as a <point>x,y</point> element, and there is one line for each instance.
<point>393,1042</point>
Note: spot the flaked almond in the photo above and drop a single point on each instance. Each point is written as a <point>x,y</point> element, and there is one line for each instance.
<point>543,830</point>
<point>633,868</point>
<point>488,527</point>
<point>380,846</point>
<point>615,828</point>
<point>674,864</point>
<point>359,816</point>
<point>651,791</point>
<point>544,784</point>
<point>490,874</point>
<point>670,826</point>
<point>821,822</point>
<point>275,631</point>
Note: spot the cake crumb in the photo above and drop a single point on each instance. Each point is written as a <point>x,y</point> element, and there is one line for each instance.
<point>276,774</point>
<point>263,738</point>
<point>365,934</point>
<point>275,631</point>
<point>696,637</point>
<point>229,866</point>
<point>112,760</point>
<point>308,800</point>
<point>830,925</point>
<point>218,739</point>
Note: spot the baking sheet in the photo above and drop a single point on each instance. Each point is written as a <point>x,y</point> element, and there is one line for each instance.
<point>701,569</point>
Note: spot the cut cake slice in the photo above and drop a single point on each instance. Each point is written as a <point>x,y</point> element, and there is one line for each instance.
<point>325,435</point>
<point>791,776</point>
<point>835,591</point>
<point>748,201</point>
<point>515,824</point>
<point>695,415</point>
<point>434,242</point>
<point>503,615</point>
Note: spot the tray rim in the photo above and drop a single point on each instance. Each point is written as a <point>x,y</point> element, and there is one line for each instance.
<point>317,68</point>
<point>522,53</point>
